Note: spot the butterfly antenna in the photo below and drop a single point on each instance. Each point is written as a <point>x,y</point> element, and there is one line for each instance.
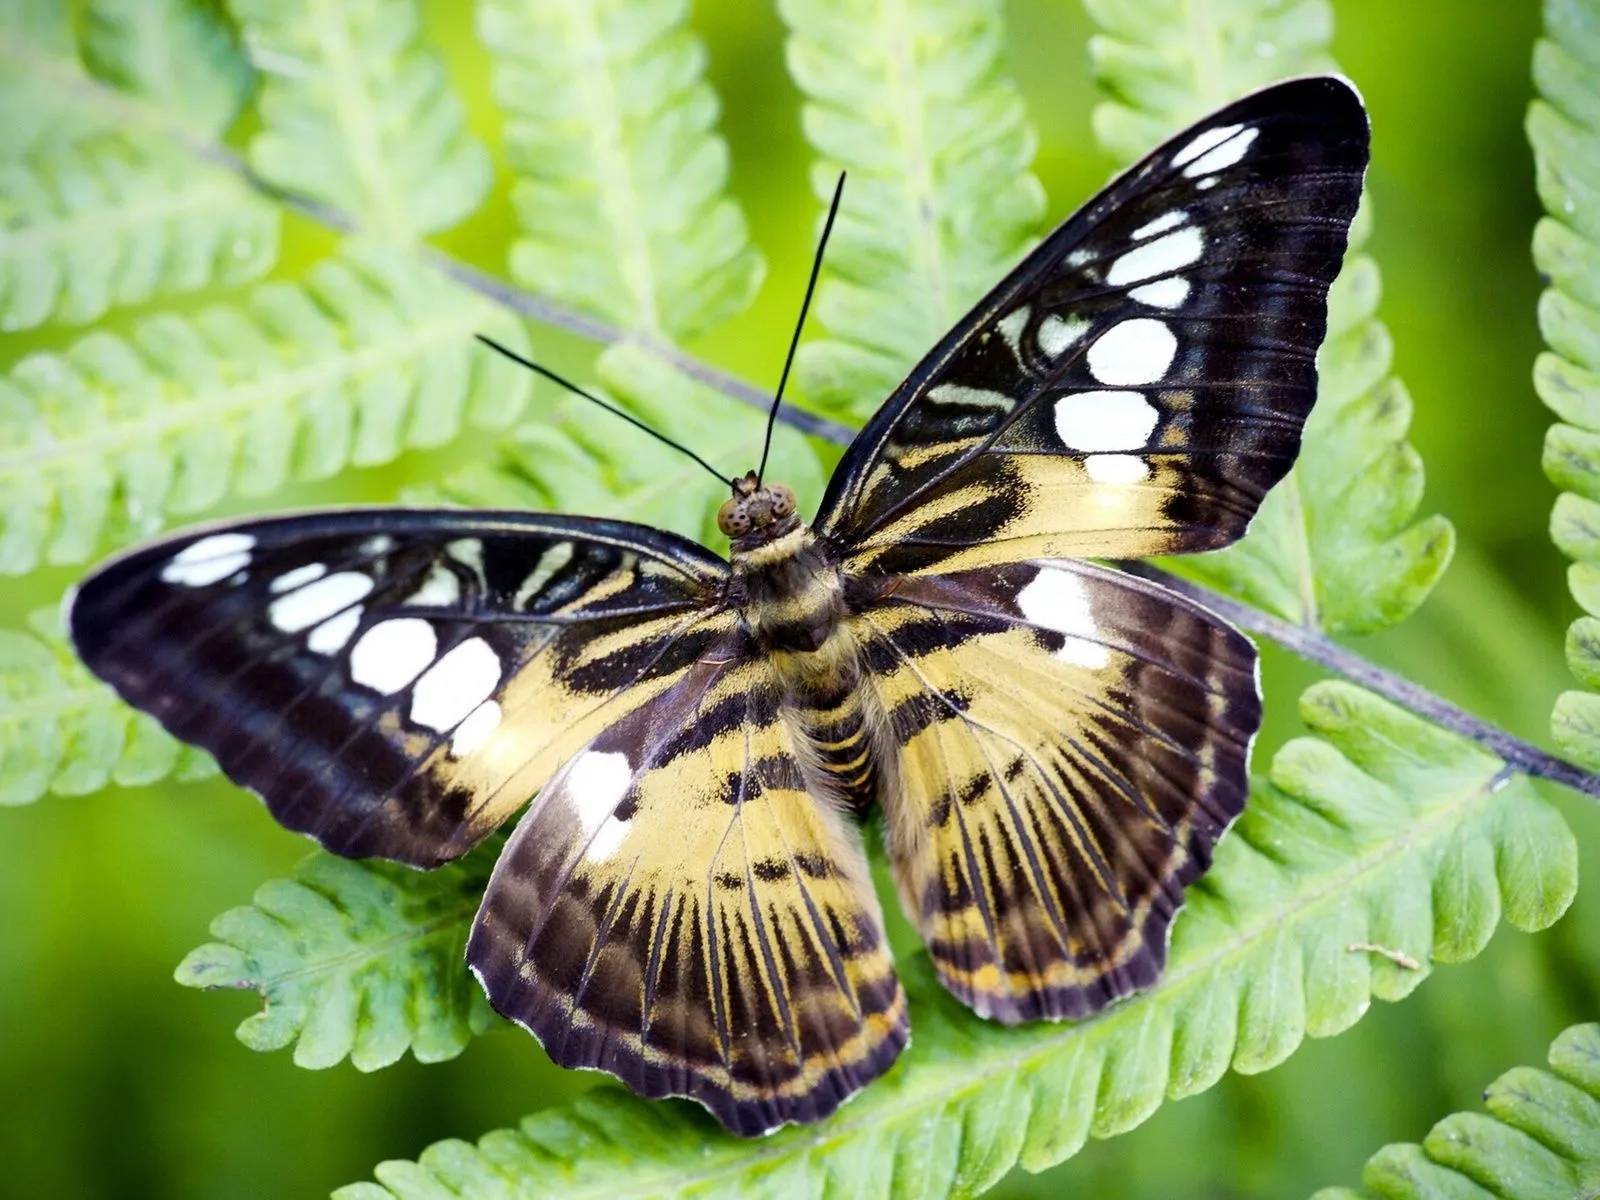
<point>610,408</point>
<point>794,342</point>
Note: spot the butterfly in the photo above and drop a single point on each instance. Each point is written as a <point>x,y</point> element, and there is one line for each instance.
<point>1055,746</point>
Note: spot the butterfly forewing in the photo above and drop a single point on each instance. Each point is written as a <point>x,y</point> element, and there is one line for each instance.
<point>1140,381</point>
<point>1070,744</point>
<point>677,909</point>
<point>397,683</point>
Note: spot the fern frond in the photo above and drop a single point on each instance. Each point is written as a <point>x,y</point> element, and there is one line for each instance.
<point>371,354</point>
<point>114,219</point>
<point>63,731</point>
<point>621,177</point>
<point>1564,129</point>
<point>1538,1141</point>
<point>358,960</point>
<point>1336,546</point>
<point>357,114</point>
<point>911,97</point>
<point>588,463</point>
<point>1380,831</point>
<point>178,55</point>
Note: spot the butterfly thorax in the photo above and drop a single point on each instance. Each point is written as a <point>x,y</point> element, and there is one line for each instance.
<point>791,595</point>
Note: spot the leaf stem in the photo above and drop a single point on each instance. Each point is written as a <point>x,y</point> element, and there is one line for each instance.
<point>1308,644</point>
<point>1318,648</point>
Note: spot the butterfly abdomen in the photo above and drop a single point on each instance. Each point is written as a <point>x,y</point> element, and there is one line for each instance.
<point>796,607</point>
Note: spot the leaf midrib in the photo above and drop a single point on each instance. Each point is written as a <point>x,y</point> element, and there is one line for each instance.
<point>364,953</point>
<point>413,342</point>
<point>215,190</point>
<point>619,187</point>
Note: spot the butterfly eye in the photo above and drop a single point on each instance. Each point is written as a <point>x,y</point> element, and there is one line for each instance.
<point>782,500</point>
<point>732,518</point>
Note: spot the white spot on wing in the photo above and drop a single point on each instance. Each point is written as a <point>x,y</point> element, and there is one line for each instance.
<point>441,589</point>
<point>455,685</point>
<point>1162,256</point>
<point>955,393</point>
<point>1056,599</point>
<point>331,636</point>
<point>210,559</point>
<point>1105,421</point>
<point>1056,334</point>
<point>479,726</point>
<point>1166,221</point>
<point>1225,155</point>
<point>606,839</point>
<point>1116,469</point>
<point>1163,293</point>
<point>551,561</point>
<point>289,580</point>
<point>1134,352</point>
<point>594,787</point>
<point>319,600</point>
<point>393,653</point>
<point>1011,327</point>
<point>1209,140</point>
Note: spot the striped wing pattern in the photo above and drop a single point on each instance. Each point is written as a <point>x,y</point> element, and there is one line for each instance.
<point>677,909</point>
<point>397,683</point>
<point>1056,746</point>
<point>1071,743</point>
<point>1140,381</point>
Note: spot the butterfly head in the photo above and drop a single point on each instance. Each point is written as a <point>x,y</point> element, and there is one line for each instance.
<point>757,513</point>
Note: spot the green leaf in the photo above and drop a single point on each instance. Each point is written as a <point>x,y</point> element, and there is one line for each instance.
<point>358,960</point>
<point>65,732</point>
<point>372,354</point>
<point>1564,129</point>
<point>621,178</point>
<point>581,461</point>
<point>357,114</point>
<point>44,90</point>
<point>117,218</point>
<point>1539,1141</point>
<point>1336,546</point>
<point>176,54</point>
<point>911,97</point>
<point>1380,831</point>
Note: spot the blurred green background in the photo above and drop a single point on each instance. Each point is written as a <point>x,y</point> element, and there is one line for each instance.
<point>119,1083</point>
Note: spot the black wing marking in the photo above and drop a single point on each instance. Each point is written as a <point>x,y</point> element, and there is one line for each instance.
<point>1140,381</point>
<point>392,682</point>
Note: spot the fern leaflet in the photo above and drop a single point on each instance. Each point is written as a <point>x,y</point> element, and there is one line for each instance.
<point>101,207</point>
<point>1336,545</point>
<point>63,731</point>
<point>177,55</point>
<point>1381,830</point>
<point>621,179</point>
<point>1564,128</point>
<point>355,113</point>
<point>353,959</point>
<point>370,355</point>
<point>910,96</point>
<point>1538,1139</point>
<point>120,218</point>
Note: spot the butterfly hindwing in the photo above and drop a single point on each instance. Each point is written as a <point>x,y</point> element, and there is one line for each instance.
<point>1140,381</point>
<point>1070,743</point>
<point>677,909</point>
<point>396,683</point>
